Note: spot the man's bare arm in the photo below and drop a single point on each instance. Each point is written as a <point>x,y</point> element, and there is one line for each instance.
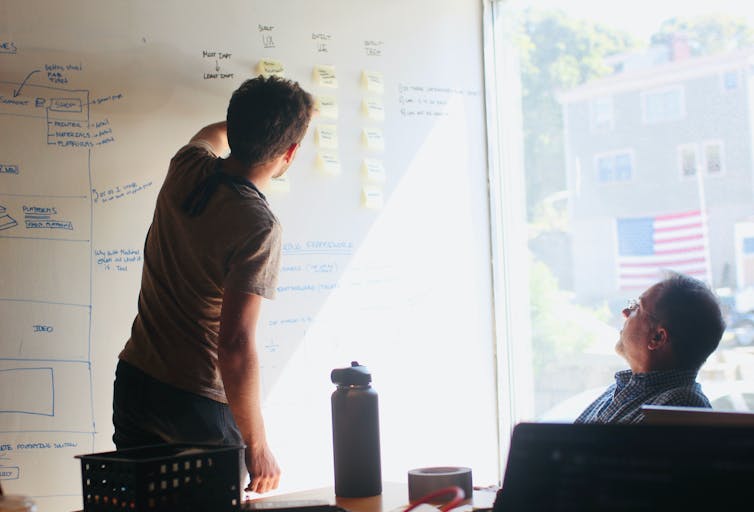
<point>216,134</point>
<point>239,367</point>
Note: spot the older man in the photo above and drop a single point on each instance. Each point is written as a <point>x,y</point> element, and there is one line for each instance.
<point>668,333</point>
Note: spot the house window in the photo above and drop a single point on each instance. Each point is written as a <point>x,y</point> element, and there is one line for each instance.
<point>601,114</point>
<point>663,105</point>
<point>713,158</point>
<point>614,167</point>
<point>748,245</point>
<point>688,161</point>
<point>730,81</point>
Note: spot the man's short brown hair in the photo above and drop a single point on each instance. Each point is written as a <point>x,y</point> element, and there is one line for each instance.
<point>266,115</point>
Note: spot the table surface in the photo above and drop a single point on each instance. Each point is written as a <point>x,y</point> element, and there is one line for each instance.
<point>394,496</point>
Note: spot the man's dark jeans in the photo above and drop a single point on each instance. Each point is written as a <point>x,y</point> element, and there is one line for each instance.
<point>147,411</point>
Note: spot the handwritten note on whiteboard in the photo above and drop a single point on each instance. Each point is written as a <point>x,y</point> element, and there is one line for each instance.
<point>372,197</point>
<point>269,67</point>
<point>372,138</point>
<point>327,107</point>
<point>373,81</point>
<point>326,136</point>
<point>325,76</point>
<point>328,162</point>
<point>373,170</point>
<point>373,109</point>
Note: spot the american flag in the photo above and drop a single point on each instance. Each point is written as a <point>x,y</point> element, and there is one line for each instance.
<point>649,245</point>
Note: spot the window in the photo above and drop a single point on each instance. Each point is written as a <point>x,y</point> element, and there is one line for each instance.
<point>749,245</point>
<point>663,105</point>
<point>730,81</point>
<point>614,167</point>
<point>688,161</point>
<point>617,117</point>
<point>713,158</point>
<point>711,162</point>
<point>601,114</point>
<point>744,242</point>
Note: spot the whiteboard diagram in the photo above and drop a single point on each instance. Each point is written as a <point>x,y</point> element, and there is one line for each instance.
<point>385,219</point>
<point>46,412</point>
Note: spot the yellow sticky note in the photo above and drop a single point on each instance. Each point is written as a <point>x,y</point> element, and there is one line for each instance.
<point>325,76</point>
<point>371,197</point>
<point>372,139</point>
<point>373,170</point>
<point>268,67</point>
<point>372,81</point>
<point>373,109</point>
<point>327,106</point>
<point>326,136</point>
<point>281,184</point>
<point>328,162</point>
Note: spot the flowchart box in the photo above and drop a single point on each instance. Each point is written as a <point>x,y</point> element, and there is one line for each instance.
<point>27,391</point>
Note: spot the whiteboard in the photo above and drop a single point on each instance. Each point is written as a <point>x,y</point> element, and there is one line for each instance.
<point>95,98</point>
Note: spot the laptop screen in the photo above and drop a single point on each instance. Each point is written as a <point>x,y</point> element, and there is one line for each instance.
<point>627,467</point>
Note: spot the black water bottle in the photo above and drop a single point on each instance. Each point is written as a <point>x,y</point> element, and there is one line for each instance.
<point>355,433</point>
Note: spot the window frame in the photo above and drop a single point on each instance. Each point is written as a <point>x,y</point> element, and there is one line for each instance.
<point>680,148</point>
<point>662,90</point>
<point>739,81</point>
<point>705,144</point>
<point>613,154</point>
<point>608,126</point>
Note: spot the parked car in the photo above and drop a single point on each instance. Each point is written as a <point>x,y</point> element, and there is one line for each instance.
<point>738,309</point>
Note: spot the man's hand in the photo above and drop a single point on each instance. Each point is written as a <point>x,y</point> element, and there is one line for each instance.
<point>239,367</point>
<point>263,468</point>
<point>216,134</point>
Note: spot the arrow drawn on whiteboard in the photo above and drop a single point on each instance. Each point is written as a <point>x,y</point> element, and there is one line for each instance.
<point>16,92</point>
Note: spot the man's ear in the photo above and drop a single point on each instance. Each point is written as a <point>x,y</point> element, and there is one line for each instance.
<point>290,153</point>
<point>658,339</point>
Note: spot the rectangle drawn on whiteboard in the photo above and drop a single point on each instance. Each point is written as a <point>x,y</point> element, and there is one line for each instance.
<point>66,105</point>
<point>27,391</point>
<point>9,472</point>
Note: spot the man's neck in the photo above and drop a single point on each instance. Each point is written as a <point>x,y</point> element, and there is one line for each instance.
<point>260,175</point>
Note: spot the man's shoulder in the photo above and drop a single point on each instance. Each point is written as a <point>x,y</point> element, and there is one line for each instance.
<point>689,395</point>
<point>591,412</point>
<point>254,209</point>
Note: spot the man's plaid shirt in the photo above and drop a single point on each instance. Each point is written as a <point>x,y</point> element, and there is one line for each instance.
<point>622,401</point>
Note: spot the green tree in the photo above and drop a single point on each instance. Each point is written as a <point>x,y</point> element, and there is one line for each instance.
<point>707,35</point>
<point>557,53</point>
<point>559,329</point>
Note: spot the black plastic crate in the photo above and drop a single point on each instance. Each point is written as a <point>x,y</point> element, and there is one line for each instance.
<point>161,478</point>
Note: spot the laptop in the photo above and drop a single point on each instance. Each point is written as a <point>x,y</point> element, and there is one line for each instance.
<point>585,467</point>
<point>672,415</point>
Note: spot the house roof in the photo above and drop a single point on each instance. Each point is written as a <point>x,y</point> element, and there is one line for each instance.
<point>659,75</point>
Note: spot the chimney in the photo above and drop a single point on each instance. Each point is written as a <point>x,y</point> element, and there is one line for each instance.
<point>679,47</point>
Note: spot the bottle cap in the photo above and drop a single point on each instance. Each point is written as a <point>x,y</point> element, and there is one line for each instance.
<point>355,375</point>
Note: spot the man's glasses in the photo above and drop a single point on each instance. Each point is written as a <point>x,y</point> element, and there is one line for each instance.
<point>634,305</point>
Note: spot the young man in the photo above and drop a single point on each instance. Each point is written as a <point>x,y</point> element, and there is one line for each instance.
<point>190,371</point>
<point>667,335</point>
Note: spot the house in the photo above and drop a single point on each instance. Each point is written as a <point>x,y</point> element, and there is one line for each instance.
<point>660,170</point>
